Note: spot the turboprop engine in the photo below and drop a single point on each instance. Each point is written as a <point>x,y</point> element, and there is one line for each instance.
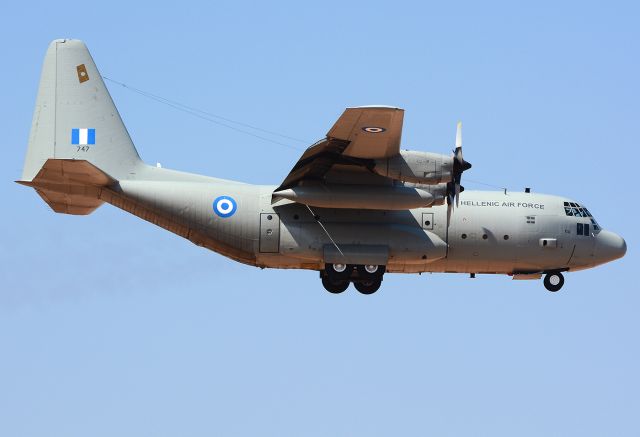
<point>416,167</point>
<point>424,169</point>
<point>417,180</point>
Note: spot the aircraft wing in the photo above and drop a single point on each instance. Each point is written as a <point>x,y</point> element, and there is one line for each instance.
<point>360,136</point>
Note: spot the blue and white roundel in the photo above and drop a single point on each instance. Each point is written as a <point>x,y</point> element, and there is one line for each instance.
<point>225,206</point>
<point>373,129</point>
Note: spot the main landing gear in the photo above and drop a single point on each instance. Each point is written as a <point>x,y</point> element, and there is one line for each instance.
<point>553,281</point>
<point>366,278</point>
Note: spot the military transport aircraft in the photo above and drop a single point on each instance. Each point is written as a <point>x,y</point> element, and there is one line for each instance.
<point>353,207</point>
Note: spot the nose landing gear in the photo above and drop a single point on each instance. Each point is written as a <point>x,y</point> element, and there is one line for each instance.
<point>366,278</point>
<point>553,281</point>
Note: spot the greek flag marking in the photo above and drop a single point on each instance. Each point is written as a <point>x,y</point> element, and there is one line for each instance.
<point>83,136</point>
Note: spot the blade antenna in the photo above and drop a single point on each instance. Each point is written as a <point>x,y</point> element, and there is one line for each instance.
<point>317,218</point>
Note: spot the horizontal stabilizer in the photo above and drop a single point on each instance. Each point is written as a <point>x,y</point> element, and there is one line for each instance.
<point>70,186</point>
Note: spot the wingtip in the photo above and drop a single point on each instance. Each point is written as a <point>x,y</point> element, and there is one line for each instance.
<point>375,107</point>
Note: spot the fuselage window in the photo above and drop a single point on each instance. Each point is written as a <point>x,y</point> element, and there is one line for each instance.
<point>580,229</point>
<point>586,229</point>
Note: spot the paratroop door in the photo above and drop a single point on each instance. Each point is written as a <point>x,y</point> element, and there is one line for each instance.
<point>269,233</point>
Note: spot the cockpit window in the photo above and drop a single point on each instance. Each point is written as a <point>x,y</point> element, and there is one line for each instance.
<point>573,209</point>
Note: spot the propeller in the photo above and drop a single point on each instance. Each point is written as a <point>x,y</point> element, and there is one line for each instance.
<point>459,166</point>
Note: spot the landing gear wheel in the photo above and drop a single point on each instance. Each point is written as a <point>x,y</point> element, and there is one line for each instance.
<point>368,286</point>
<point>553,281</point>
<point>339,272</point>
<point>334,287</point>
<point>370,272</point>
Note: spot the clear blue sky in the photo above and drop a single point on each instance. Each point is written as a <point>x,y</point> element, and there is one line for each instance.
<point>111,326</point>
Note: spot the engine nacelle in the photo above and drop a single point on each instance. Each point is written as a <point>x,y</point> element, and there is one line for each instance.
<point>359,196</point>
<point>438,191</point>
<point>416,167</point>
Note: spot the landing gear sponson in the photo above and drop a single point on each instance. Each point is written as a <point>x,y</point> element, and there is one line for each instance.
<point>366,278</point>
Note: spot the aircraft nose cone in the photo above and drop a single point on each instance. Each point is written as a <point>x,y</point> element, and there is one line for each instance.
<point>610,246</point>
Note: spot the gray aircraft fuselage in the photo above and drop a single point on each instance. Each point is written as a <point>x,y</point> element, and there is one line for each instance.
<point>490,232</point>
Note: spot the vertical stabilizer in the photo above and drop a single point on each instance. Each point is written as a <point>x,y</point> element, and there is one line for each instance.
<point>75,117</point>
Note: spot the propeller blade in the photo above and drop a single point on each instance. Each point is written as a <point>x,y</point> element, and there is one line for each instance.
<point>459,141</point>
<point>459,166</point>
<point>449,207</point>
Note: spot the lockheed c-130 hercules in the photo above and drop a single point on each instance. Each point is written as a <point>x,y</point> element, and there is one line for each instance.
<point>353,207</point>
